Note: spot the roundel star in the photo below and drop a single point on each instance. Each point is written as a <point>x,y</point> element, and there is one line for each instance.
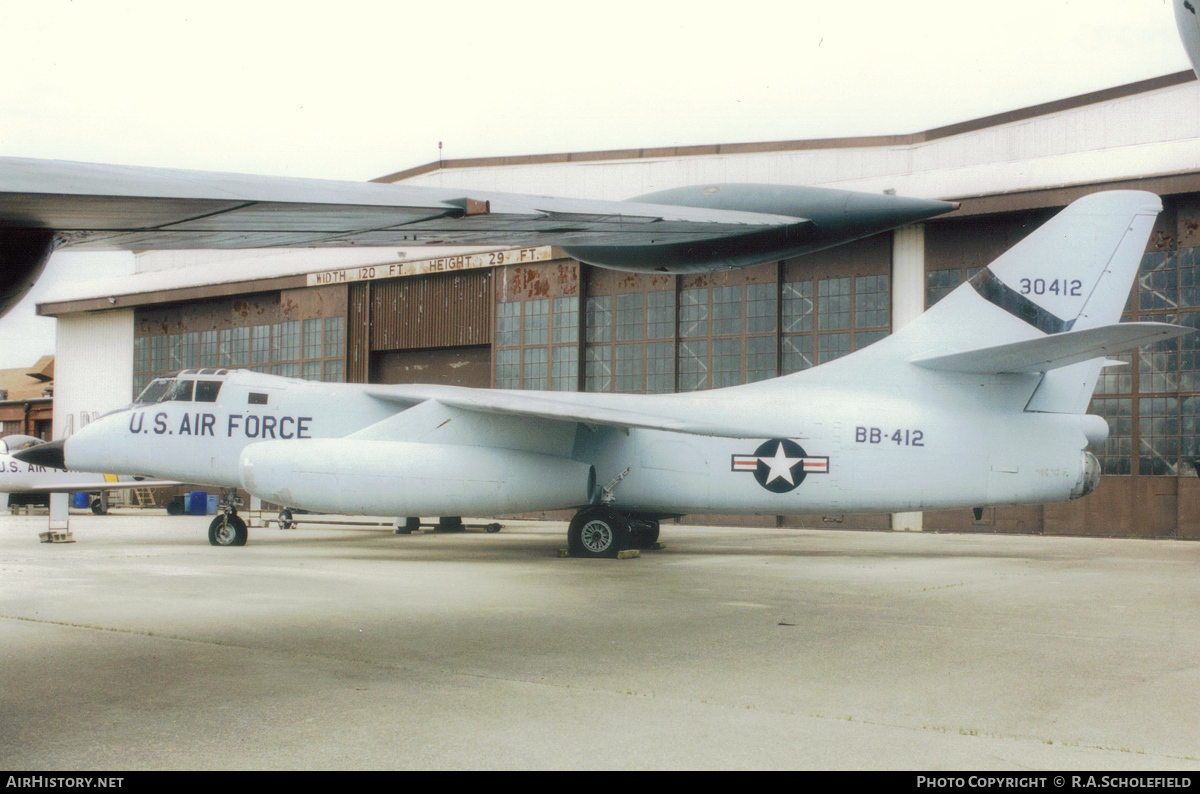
<point>780,465</point>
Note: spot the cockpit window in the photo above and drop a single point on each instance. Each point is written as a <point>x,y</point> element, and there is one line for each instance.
<point>207,390</point>
<point>154,392</point>
<point>181,391</point>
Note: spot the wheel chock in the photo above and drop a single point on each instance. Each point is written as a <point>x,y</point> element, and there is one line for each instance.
<point>627,554</point>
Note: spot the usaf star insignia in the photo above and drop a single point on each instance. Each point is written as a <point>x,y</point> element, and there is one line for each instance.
<point>780,465</point>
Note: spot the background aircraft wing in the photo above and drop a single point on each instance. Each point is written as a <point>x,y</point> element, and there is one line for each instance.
<point>48,204</point>
<point>82,485</point>
<point>93,206</point>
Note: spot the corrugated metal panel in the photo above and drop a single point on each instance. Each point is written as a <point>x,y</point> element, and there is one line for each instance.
<point>358,333</point>
<point>444,310</point>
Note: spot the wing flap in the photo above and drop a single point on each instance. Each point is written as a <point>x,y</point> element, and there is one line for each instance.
<point>1055,350</point>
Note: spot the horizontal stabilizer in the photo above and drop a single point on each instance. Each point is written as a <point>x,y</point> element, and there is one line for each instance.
<point>1055,350</point>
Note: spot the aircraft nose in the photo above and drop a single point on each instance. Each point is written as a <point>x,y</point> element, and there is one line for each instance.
<point>50,454</point>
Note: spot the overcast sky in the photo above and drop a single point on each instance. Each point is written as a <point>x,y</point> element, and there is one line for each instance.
<point>356,89</point>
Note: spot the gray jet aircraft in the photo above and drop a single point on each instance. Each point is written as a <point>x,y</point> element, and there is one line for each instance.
<point>980,401</point>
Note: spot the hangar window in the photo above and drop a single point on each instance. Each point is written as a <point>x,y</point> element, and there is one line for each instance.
<point>693,365</point>
<point>566,320</point>
<point>599,319</point>
<point>629,369</point>
<point>726,362</point>
<point>631,317</point>
<point>660,314</point>
<point>660,367</point>
<point>564,368</point>
<point>508,369</point>
<point>1115,455</point>
<point>260,345</point>
<point>693,312</point>
<point>537,322</point>
<point>239,347</point>
<point>761,308</point>
<point>536,372</point>
<point>1158,435</point>
<point>760,358</point>
<point>598,369</point>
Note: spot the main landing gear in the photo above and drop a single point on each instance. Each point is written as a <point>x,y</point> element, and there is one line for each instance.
<point>227,529</point>
<point>601,531</point>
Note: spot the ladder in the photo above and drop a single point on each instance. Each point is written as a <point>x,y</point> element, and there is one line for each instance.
<point>144,496</point>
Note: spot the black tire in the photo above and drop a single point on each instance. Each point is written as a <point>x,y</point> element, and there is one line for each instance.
<point>98,507</point>
<point>492,528</point>
<point>176,507</point>
<point>285,519</point>
<point>597,532</point>
<point>227,530</point>
<point>644,534</point>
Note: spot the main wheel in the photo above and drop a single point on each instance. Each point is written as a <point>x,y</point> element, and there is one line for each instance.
<point>285,519</point>
<point>644,534</point>
<point>227,530</point>
<point>98,507</point>
<point>597,532</point>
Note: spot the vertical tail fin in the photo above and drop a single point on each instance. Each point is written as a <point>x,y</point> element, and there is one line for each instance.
<point>1073,273</point>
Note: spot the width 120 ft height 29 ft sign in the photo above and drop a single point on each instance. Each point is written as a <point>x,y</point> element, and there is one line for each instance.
<point>443,264</point>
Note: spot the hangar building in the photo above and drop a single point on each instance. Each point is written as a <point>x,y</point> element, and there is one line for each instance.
<point>535,319</point>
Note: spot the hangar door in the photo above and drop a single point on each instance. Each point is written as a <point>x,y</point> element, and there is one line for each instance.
<point>455,366</point>
<point>428,329</point>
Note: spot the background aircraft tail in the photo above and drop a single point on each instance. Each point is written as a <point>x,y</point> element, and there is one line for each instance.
<point>1072,275</point>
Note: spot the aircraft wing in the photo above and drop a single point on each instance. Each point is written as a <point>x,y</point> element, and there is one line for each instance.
<point>94,206</point>
<point>49,204</point>
<point>621,411</point>
<point>89,486</point>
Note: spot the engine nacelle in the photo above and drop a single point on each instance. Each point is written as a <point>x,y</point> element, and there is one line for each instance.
<point>400,478</point>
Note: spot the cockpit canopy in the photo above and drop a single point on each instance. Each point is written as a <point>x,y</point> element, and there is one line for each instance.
<point>190,385</point>
<point>13,443</point>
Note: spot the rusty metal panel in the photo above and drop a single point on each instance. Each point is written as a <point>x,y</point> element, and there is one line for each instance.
<point>1145,507</point>
<point>1188,506</point>
<point>460,366</point>
<point>444,310</point>
<point>556,279</point>
<point>1014,519</point>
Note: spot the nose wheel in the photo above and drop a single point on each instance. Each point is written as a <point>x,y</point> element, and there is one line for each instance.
<point>227,529</point>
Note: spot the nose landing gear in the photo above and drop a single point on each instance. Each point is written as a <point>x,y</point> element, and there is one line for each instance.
<point>227,529</point>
